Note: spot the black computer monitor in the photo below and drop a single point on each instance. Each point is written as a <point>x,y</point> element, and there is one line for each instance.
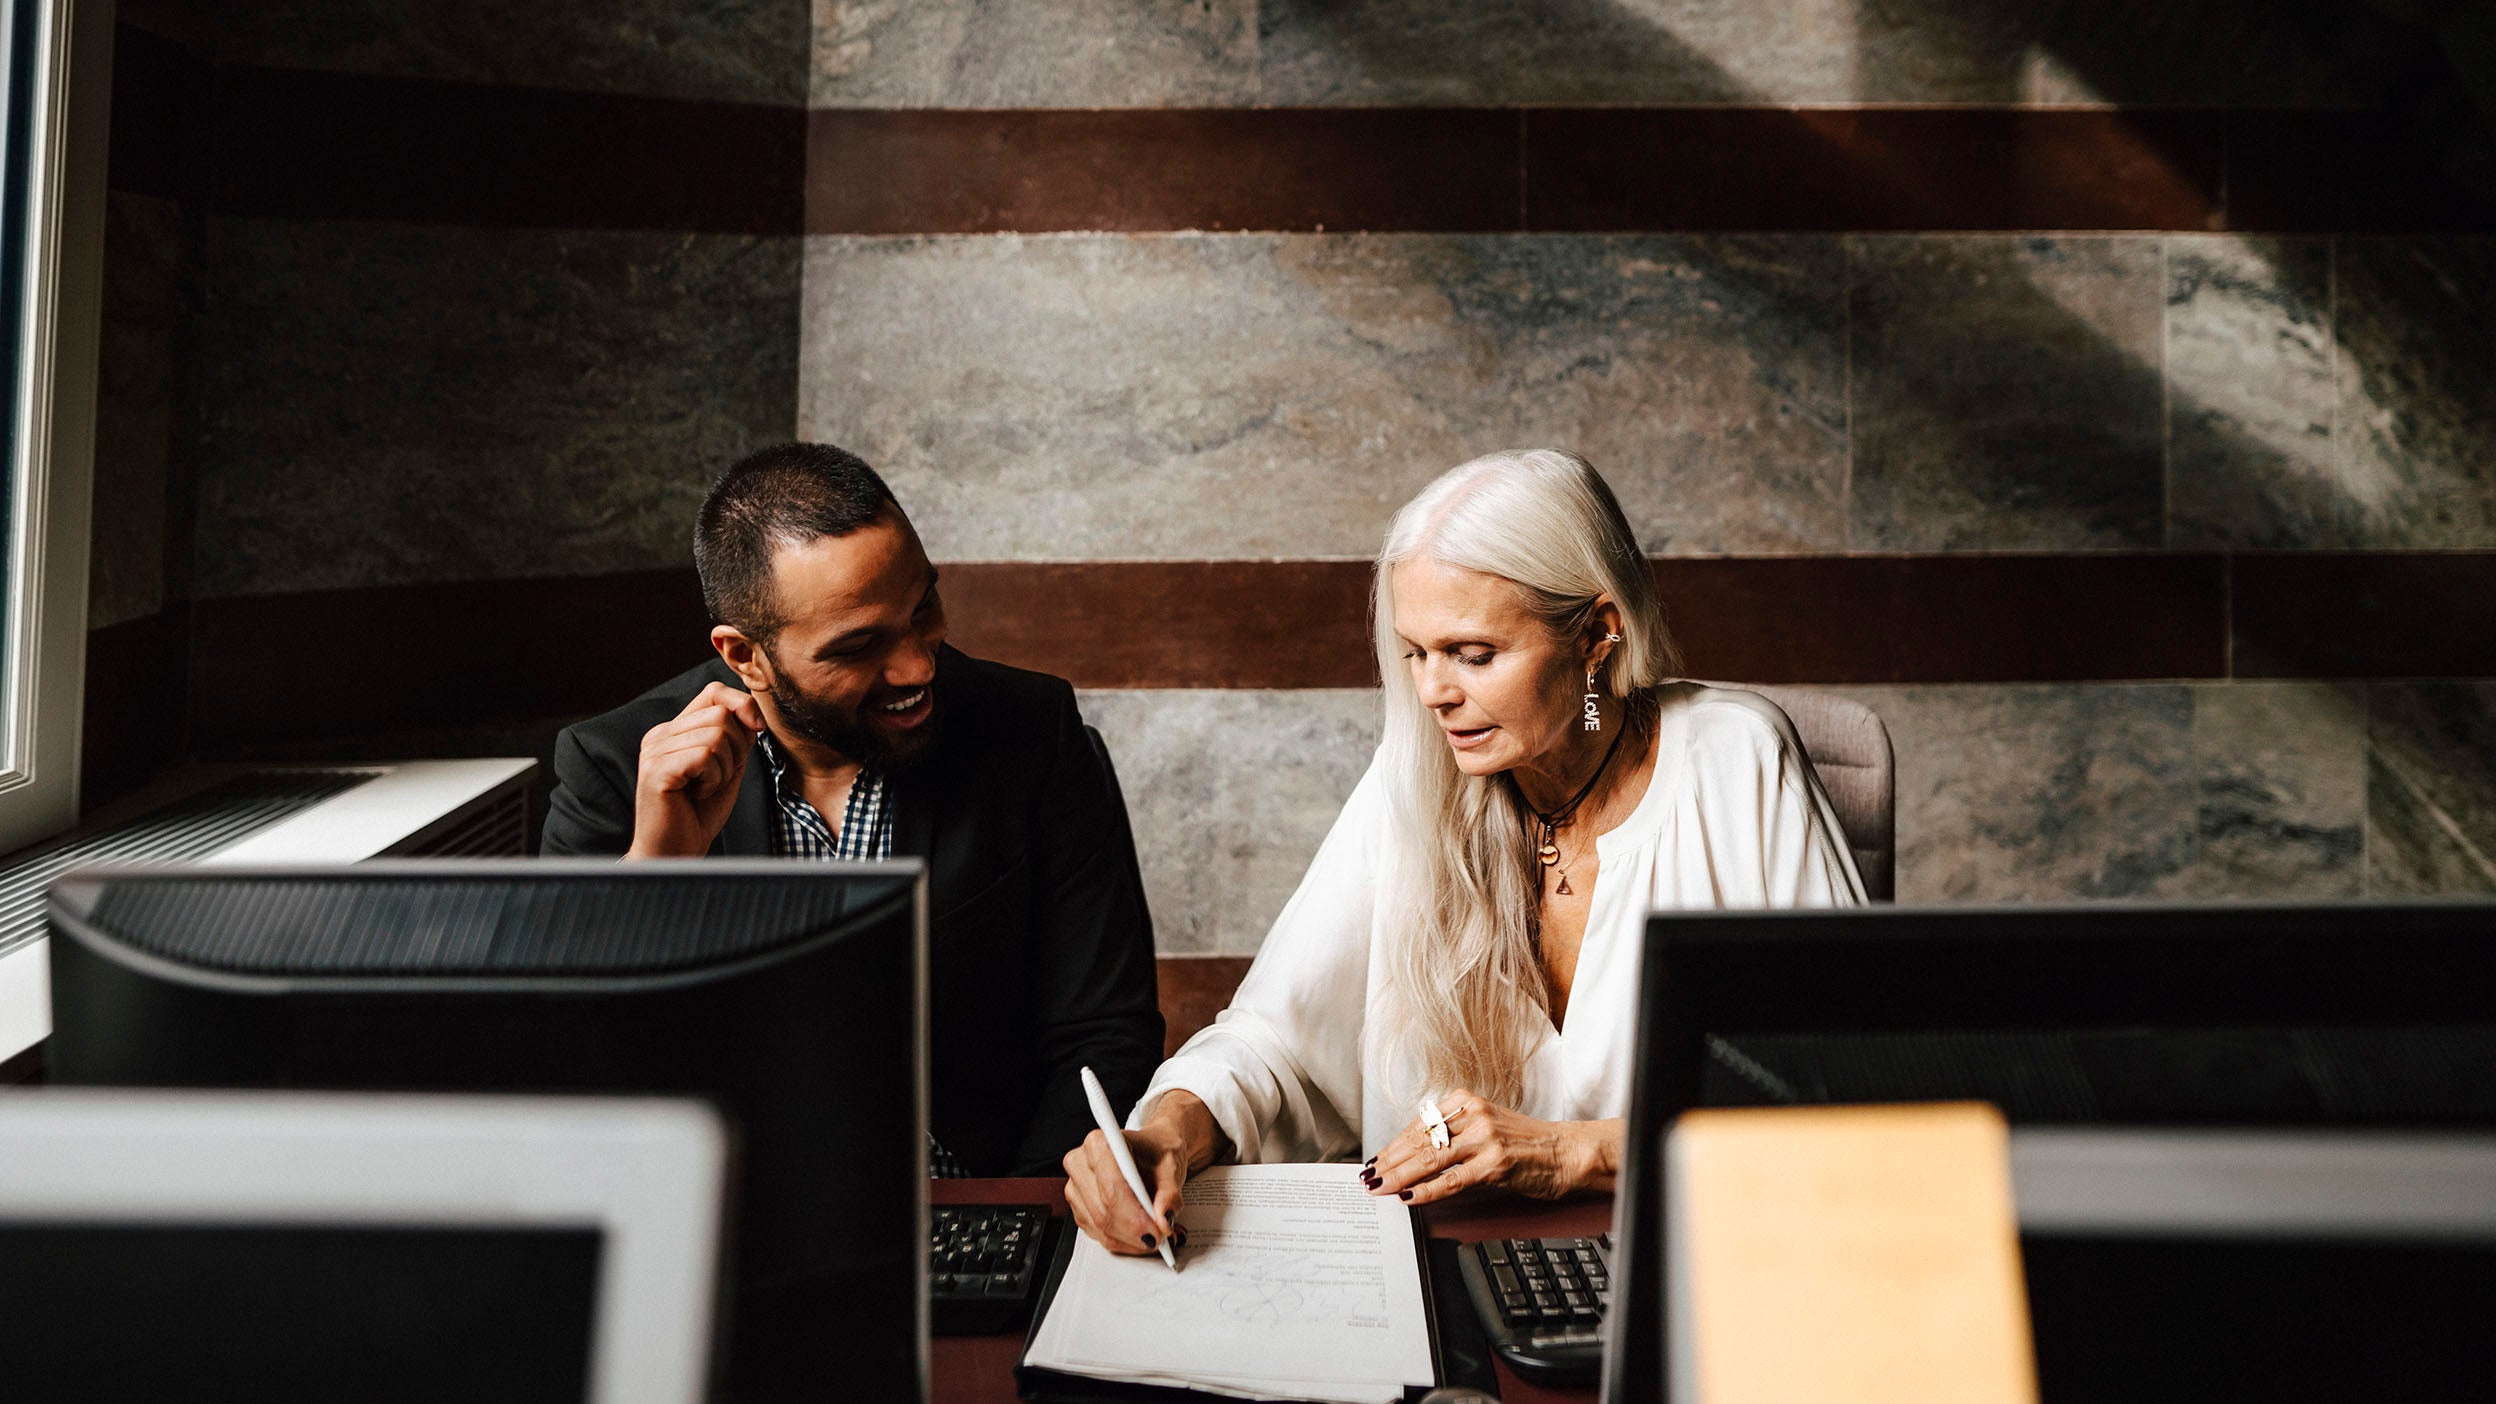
<point>2371,1014</point>
<point>790,996</point>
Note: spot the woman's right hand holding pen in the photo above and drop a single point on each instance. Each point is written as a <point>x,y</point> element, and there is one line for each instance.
<point>1179,1139</point>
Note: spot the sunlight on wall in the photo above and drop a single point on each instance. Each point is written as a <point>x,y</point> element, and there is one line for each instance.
<point>1806,51</point>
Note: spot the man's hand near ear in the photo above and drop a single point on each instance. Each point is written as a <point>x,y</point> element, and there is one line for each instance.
<point>689,774</point>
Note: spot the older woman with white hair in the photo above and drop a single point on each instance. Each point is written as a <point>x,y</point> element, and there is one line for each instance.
<point>1468,935</point>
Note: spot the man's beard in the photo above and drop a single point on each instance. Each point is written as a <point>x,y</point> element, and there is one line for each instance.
<point>846,731</point>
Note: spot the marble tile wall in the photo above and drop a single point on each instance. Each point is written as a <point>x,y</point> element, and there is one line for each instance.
<point>1074,396</point>
<point>1119,53</point>
<point>2006,393</point>
<point>722,50</point>
<point>2431,788</point>
<point>2161,791</point>
<point>1224,396</point>
<point>384,404</point>
<point>1275,766</point>
<point>388,404</point>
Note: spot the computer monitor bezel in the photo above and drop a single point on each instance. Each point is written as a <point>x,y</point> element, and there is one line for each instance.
<point>914,870</point>
<point>2102,964</point>
<point>649,1174</point>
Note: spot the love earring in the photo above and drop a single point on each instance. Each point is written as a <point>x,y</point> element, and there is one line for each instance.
<point>1594,716</point>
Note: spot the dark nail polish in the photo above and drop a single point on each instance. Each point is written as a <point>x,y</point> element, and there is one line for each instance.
<point>1370,1163</point>
<point>1148,1240</point>
<point>1403,1194</point>
<point>1179,1239</point>
<point>1370,1180</point>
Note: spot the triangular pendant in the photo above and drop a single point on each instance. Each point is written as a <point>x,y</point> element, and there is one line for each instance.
<point>1563,889</point>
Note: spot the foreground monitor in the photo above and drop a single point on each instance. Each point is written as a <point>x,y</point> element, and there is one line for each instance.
<point>308,1248</point>
<point>2378,1016</point>
<point>790,996</point>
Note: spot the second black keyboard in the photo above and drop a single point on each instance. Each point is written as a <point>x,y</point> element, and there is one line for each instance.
<point>1542,1302</point>
<point>984,1265</point>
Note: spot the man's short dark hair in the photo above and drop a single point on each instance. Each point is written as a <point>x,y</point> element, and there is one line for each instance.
<point>786,495</point>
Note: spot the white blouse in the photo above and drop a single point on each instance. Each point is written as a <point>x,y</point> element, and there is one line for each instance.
<point>1732,817</point>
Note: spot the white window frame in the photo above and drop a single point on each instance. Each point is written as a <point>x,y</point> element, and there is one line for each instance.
<point>42,674</point>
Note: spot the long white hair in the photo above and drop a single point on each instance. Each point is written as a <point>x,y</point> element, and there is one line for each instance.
<point>1461,888</point>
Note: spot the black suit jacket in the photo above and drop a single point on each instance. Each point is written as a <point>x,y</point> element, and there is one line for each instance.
<point>1040,955</point>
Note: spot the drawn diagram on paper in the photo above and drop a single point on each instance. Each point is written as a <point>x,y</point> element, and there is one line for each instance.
<point>1294,1284</point>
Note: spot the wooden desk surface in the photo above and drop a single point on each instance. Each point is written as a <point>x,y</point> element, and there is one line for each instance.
<point>980,1369</point>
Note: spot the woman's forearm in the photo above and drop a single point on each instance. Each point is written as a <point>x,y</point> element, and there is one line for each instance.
<point>1182,1116</point>
<point>1599,1149</point>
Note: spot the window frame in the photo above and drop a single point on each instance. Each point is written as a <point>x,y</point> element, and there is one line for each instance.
<point>67,65</point>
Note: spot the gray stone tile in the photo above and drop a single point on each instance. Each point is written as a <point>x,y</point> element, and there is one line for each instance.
<point>2417,387</point>
<point>1077,53</point>
<point>1198,396</point>
<point>2281,53</point>
<point>2431,788</point>
<point>2006,393</point>
<point>724,50</point>
<point>149,266</point>
<point>1230,794</point>
<point>2280,773</point>
<point>1319,53</point>
<point>2017,793</point>
<point>387,403</point>
<point>2250,407</point>
<point>2294,53</point>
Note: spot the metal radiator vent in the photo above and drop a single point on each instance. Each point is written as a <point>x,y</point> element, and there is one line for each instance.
<point>461,924</point>
<point>496,829</point>
<point>194,828</point>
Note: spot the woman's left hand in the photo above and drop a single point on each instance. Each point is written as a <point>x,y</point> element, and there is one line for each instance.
<point>1491,1145</point>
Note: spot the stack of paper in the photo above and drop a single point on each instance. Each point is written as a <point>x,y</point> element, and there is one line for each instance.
<point>1295,1284</point>
<point>1845,1255</point>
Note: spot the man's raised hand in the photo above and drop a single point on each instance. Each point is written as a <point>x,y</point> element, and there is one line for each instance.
<point>690,769</point>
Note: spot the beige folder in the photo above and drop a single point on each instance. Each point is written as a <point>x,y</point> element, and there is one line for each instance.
<point>1845,1255</point>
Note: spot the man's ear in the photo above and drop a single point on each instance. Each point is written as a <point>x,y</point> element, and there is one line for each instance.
<point>744,657</point>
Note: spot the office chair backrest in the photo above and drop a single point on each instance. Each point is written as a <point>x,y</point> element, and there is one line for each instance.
<point>1849,749</point>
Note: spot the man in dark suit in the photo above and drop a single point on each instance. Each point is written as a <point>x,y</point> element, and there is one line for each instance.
<point>834,722</point>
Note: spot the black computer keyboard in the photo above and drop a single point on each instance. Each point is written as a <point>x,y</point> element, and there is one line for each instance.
<point>1542,1302</point>
<point>984,1265</point>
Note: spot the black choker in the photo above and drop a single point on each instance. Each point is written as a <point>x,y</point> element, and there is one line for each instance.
<point>1546,844</point>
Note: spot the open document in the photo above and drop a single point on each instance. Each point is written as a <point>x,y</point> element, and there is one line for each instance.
<point>1295,1284</point>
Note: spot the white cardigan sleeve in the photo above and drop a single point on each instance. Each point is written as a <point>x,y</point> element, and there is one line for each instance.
<point>1281,1068</point>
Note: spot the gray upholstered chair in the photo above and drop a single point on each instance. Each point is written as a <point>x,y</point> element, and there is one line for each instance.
<point>1849,747</point>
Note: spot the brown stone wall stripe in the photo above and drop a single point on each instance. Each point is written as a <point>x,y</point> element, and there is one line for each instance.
<point>284,143</point>
<point>970,172</point>
<point>413,658</point>
<point>2344,172</point>
<point>337,146</point>
<point>1872,169</point>
<point>435,657</point>
<point>1953,618</point>
<point>1194,988</point>
<point>1861,619</point>
<point>1609,169</point>
<point>2358,615</point>
<point>258,141</point>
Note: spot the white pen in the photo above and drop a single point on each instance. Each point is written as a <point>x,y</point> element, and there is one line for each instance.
<point>1126,1160</point>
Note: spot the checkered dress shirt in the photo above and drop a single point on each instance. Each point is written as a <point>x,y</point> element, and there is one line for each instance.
<point>798,831</point>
